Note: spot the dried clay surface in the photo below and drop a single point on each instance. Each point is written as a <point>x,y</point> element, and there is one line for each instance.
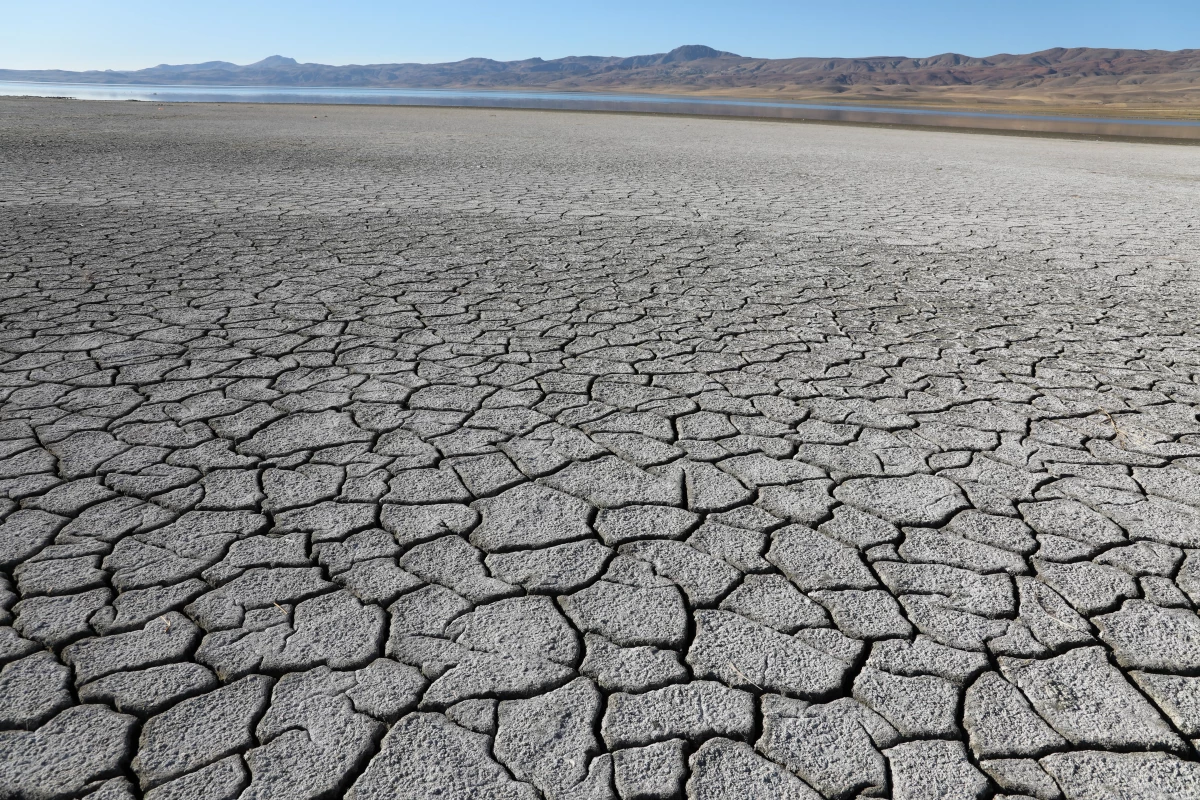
<point>399,453</point>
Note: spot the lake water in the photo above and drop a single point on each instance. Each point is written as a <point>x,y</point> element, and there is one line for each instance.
<point>589,101</point>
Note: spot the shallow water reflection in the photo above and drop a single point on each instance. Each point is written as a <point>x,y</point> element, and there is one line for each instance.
<point>588,101</point>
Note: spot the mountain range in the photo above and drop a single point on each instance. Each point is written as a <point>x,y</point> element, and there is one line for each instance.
<point>1059,76</point>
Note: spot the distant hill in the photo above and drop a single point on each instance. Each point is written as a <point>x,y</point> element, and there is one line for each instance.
<point>1060,75</point>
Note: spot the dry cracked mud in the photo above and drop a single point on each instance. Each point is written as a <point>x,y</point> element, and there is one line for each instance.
<point>399,453</point>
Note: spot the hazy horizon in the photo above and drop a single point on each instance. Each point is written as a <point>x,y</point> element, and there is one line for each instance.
<point>77,36</point>
<point>857,56</point>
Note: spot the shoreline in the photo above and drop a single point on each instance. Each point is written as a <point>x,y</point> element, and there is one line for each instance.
<point>1127,138</point>
<point>972,104</point>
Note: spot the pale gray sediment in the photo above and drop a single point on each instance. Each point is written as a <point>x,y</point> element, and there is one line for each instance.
<point>382,452</point>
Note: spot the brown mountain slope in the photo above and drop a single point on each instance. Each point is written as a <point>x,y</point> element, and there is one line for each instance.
<point>1121,81</point>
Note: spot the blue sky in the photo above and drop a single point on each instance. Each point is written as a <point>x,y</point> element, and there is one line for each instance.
<point>125,34</point>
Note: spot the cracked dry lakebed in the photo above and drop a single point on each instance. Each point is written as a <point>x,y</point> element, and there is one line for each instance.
<point>466,454</point>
